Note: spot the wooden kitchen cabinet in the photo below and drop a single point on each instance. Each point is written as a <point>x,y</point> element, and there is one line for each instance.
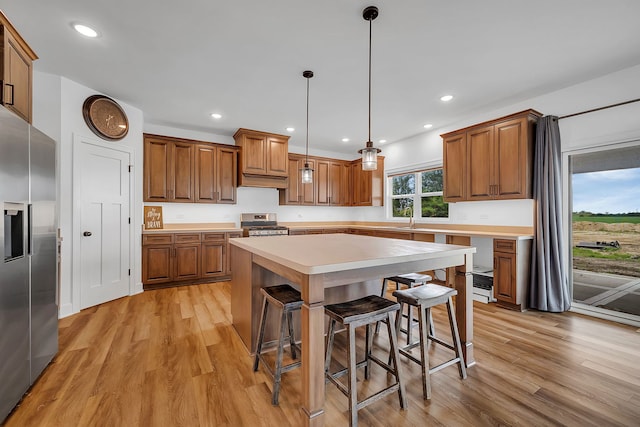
<point>336,183</point>
<point>215,174</point>
<point>264,159</point>
<point>454,167</point>
<point>331,178</point>
<point>185,258</point>
<point>16,70</point>
<point>157,254</point>
<point>367,186</point>
<point>214,249</point>
<point>296,192</point>
<point>169,170</point>
<point>188,171</point>
<point>491,160</point>
<point>511,259</point>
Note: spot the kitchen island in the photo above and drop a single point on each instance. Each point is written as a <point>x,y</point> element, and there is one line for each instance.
<point>319,263</point>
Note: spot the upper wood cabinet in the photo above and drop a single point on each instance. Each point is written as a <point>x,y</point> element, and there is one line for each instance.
<point>16,74</point>
<point>264,160</point>
<point>368,186</point>
<point>296,192</point>
<point>454,166</point>
<point>181,170</point>
<point>335,183</point>
<point>491,160</point>
<point>331,177</point>
<point>216,174</point>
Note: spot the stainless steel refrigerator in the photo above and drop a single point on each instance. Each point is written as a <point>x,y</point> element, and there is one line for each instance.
<point>28,267</point>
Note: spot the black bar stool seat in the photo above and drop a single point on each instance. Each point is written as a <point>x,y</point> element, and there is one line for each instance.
<point>288,300</point>
<point>424,298</point>
<point>367,312</point>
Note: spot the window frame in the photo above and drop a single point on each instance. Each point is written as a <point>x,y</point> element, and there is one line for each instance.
<point>417,196</point>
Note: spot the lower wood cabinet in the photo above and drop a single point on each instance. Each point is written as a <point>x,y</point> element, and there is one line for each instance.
<point>181,258</point>
<point>511,259</point>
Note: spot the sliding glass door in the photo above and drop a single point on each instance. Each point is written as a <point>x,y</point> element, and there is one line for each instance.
<point>605,232</point>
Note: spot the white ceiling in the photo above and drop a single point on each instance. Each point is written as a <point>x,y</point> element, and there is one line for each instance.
<point>179,61</point>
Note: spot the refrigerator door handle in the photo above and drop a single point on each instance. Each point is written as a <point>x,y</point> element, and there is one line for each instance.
<point>29,229</point>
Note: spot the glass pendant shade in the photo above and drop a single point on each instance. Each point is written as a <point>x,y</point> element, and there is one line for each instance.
<point>369,157</point>
<point>307,174</point>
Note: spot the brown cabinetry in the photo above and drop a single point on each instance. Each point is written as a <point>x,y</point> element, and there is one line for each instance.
<point>454,167</point>
<point>169,258</point>
<point>16,73</point>
<point>368,186</point>
<point>492,160</point>
<point>511,272</point>
<point>186,256</point>
<point>296,192</point>
<point>214,250</point>
<point>216,174</point>
<point>335,183</point>
<point>331,177</point>
<point>186,171</point>
<point>264,160</point>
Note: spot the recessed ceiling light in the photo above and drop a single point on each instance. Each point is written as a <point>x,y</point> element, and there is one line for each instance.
<point>290,129</point>
<point>428,126</point>
<point>382,141</point>
<point>216,115</point>
<point>345,139</point>
<point>446,98</point>
<point>85,30</point>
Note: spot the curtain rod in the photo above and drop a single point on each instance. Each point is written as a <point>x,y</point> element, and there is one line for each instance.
<point>600,108</point>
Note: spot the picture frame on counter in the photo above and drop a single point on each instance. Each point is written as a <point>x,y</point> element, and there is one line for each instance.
<point>153,218</point>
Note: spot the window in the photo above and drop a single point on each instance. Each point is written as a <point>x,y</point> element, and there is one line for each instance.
<point>422,188</point>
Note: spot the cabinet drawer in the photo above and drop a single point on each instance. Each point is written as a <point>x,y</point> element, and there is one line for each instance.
<point>504,246</point>
<point>187,238</point>
<point>157,239</point>
<point>233,235</point>
<point>208,237</point>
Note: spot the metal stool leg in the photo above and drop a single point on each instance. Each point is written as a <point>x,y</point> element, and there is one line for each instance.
<point>292,340</point>
<point>353,388</point>
<point>263,321</point>
<point>278,371</point>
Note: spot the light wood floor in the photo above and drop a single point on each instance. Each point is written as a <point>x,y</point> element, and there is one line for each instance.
<point>171,357</point>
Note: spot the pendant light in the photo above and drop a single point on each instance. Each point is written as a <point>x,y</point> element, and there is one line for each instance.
<point>369,153</point>
<point>306,172</point>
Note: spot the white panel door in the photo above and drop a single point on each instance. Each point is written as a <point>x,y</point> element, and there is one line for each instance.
<point>103,204</point>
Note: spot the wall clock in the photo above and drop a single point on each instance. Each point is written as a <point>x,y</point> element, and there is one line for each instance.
<point>105,117</point>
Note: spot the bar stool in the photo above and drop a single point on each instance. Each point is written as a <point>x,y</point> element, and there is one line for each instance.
<point>424,298</point>
<point>288,300</point>
<point>365,311</point>
<point>409,280</point>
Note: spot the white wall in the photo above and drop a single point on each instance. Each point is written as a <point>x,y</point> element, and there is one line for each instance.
<point>58,112</point>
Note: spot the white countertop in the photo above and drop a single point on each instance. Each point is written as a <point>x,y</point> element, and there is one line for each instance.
<point>405,229</point>
<point>324,253</point>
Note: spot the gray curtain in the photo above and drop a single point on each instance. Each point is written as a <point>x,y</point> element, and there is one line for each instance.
<point>548,290</point>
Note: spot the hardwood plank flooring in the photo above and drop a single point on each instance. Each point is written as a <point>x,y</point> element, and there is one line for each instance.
<point>171,357</point>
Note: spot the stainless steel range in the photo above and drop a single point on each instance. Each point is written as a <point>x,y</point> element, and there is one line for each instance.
<point>261,224</point>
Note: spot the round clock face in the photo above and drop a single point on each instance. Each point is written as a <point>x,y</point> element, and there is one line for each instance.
<point>105,117</point>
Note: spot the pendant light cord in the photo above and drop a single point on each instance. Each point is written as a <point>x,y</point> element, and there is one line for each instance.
<point>306,159</point>
<point>370,31</point>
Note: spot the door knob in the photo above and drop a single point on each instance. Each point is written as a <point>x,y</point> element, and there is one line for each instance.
<point>86,233</point>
